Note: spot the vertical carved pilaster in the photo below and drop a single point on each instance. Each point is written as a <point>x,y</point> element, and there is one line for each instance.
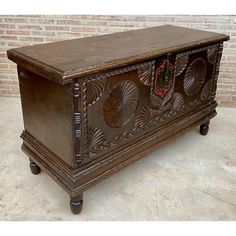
<point>85,117</point>
<point>216,70</point>
<point>77,122</point>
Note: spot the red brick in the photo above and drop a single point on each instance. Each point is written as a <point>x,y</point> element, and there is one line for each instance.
<point>94,22</point>
<point>41,21</point>
<point>3,66</point>
<point>7,26</point>
<point>83,17</point>
<point>15,20</point>
<point>55,39</point>
<point>33,27</point>
<point>8,71</point>
<point>109,30</point>
<point>10,92</point>
<point>17,32</point>
<point>31,39</point>
<point>15,44</point>
<point>109,17</point>
<point>6,37</point>
<point>121,23</point>
<point>29,16</point>
<point>43,33</point>
<point>83,29</point>
<point>68,22</point>
<point>57,28</point>
<point>8,82</point>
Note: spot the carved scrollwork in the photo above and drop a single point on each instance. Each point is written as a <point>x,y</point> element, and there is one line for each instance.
<point>180,64</point>
<point>121,104</point>
<point>94,91</point>
<point>194,76</point>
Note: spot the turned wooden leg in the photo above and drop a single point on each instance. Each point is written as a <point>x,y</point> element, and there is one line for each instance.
<point>35,169</point>
<point>204,128</point>
<point>76,204</point>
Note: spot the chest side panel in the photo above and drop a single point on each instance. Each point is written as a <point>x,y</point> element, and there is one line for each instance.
<point>47,113</point>
<point>121,106</point>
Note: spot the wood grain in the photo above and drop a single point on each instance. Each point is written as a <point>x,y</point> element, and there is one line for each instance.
<point>62,61</point>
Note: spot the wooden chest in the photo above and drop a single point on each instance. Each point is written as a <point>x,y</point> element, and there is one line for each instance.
<point>92,106</point>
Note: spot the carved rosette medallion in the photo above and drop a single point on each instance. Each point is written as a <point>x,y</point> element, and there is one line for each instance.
<point>180,64</point>
<point>194,76</point>
<point>121,104</point>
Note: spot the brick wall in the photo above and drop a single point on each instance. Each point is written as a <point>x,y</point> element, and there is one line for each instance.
<point>19,30</point>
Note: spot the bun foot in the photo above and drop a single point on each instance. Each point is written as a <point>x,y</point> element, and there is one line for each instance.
<point>204,128</point>
<point>76,204</point>
<point>35,169</point>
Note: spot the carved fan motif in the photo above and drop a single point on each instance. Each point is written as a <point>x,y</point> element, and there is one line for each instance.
<point>177,102</point>
<point>212,54</point>
<point>95,138</point>
<point>206,91</point>
<point>160,102</point>
<point>180,65</point>
<point>121,104</point>
<point>143,116</point>
<point>145,74</point>
<point>194,76</point>
<point>94,91</point>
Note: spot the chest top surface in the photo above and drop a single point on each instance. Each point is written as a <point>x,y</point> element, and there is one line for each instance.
<point>68,59</point>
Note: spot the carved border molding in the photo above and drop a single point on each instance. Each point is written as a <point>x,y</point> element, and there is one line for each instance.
<point>196,50</point>
<point>108,74</point>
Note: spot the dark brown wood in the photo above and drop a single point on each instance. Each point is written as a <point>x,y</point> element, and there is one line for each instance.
<point>35,169</point>
<point>76,204</point>
<point>204,128</point>
<point>62,61</point>
<point>90,110</point>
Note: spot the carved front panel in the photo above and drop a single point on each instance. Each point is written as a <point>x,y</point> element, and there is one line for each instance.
<point>119,106</point>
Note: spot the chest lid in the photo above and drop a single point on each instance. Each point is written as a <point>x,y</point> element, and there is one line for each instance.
<point>62,61</point>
